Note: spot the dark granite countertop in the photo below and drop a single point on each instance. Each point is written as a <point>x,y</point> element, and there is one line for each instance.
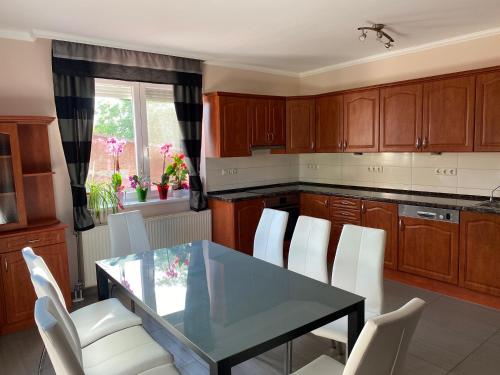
<point>439,200</point>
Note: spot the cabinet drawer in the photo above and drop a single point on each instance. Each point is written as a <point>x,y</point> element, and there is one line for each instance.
<point>31,239</point>
<point>341,214</point>
<point>349,203</point>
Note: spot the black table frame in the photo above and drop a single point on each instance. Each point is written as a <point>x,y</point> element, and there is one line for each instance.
<point>355,318</point>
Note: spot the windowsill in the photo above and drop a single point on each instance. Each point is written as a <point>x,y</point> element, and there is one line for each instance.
<point>156,201</point>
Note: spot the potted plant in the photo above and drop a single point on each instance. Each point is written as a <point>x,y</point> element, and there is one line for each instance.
<point>178,172</point>
<point>141,186</point>
<point>115,147</point>
<point>163,186</point>
<point>102,198</point>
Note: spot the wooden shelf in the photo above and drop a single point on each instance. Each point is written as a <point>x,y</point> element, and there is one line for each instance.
<point>9,193</point>
<point>35,174</point>
<point>5,156</point>
<point>42,222</point>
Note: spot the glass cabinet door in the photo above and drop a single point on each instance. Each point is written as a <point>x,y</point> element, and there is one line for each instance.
<point>12,205</point>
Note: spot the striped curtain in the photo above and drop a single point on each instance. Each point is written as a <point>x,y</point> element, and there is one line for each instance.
<point>82,63</point>
<point>74,97</point>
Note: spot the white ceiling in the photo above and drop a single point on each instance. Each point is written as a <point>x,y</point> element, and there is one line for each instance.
<point>291,36</point>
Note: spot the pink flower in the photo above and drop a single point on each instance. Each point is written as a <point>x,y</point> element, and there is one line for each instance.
<point>186,262</point>
<point>181,155</point>
<point>185,185</point>
<point>165,149</point>
<point>115,146</point>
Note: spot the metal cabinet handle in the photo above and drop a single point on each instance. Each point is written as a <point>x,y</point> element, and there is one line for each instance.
<point>345,144</point>
<point>34,241</point>
<point>424,143</point>
<point>418,144</point>
<point>325,203</point>
<point>340,145</point>
<point>363,210</point>
<point>6,265</point>
<point>401,225</point>
<point>312,145</point>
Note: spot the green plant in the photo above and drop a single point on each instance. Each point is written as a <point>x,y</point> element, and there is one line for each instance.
<point>178,172</point>
<point>116,181</point>
<point>102,197</point>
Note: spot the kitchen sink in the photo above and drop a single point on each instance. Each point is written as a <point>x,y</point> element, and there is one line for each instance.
<point>490,204</point>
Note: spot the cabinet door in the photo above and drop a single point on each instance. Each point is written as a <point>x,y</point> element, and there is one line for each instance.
<point>19,296</point>
<point>487,137</point>
<point>401,118</point>
<point>429,248</point>
<point>247,216</point>
<point>480,252</point>
<point>314,205</point>
<point>329,123</point>
<point>259,122</point>
<point>13,212</point>
<point>277,126</point>
<point>235,129</point>
<point>384,216</point>
<point>448,115</point>
<point>300,130</point>
<point>361,121</point>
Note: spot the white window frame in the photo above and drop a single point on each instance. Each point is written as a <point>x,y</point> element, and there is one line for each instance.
<point>139,108</point>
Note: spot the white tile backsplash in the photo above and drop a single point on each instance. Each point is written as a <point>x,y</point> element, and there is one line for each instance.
<point>477,173</point>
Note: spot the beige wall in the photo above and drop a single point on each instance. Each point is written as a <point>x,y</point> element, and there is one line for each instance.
<point>473,54</point>
<point>218,78</point>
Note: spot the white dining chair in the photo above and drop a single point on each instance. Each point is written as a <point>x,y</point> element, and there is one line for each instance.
<point>309,248</point>
<point>129,351</point>
<point>268,240</point>
<point>127,232</point>
<point>380,349</point>
<point>358,268</point>
<point>92,321</point>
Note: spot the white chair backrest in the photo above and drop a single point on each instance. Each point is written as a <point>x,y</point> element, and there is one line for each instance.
<point>382,345</point>
<point>309,248</point>
<point>127,233</point>
<point>33,261</point>
<point>44,287</point>
<point>268,241</point>
<point>65,355</point>
<point>359,264</point>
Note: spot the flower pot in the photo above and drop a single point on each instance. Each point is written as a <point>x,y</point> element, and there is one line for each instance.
<point>142,194</point>
<point>162,191</point>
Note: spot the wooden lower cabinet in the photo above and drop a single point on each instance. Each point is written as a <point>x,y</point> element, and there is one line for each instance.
<point>480,252</point>
<point>314,205</point>
<point>429,248</point>
<point>234,223</point>
<point>384,216</point>
<point>18,296</point>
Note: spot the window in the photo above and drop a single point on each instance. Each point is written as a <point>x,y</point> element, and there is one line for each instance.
<point>140,114</point>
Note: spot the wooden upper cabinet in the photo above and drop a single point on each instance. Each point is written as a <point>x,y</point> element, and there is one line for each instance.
<point>383,215</point>
<point>448,115</point>
<point>277,126</point>
<point>480,252</point>
<point>329,123</point>
<point>487,137</point>
<point>401,118</point>
<point>361,121</point>
<point>258,112</point>
<point>226,126</point>
<point>300,126</point>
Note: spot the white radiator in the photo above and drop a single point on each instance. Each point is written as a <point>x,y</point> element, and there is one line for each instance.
<point>164,231</point>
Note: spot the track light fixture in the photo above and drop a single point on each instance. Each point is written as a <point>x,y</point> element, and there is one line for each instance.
<point>381,34</point>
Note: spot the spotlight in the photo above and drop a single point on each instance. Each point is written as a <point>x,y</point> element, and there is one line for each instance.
<point>381,35</point>
<point>388,45</point>
<point>362,36</point>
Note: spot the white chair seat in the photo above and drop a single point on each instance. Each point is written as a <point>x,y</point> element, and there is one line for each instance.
<point>161,370</point>
<point>337,330</point>
<point>103,318</point>
<point>322,365</point>
<point>130,351</point>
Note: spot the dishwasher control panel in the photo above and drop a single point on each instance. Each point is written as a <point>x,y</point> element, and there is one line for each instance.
<point>429,213</point>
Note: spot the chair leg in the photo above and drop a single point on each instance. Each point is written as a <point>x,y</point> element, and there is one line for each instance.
<point>41,360</point>
<point>113,286</point>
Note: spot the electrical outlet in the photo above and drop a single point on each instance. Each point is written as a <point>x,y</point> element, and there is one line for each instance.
<point>380,169</point>
<point>451,172</point>
<point>445,171</point>
<point>224,172</point>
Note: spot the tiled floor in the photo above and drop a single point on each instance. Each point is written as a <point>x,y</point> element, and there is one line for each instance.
<point>453,337</point>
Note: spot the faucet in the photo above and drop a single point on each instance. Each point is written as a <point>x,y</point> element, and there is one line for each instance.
<point>493,192</point>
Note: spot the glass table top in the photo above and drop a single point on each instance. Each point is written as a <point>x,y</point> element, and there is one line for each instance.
<point>222,301</point>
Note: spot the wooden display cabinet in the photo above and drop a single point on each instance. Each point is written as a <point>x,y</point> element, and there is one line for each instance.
<point>27,217</point>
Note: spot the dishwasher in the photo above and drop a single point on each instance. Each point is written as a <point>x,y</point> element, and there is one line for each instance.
<point>428,242</point>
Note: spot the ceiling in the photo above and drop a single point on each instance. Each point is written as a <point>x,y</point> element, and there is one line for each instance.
<point>289,36</point>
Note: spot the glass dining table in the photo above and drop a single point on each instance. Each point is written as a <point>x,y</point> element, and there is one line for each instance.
<point>227,306</point>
